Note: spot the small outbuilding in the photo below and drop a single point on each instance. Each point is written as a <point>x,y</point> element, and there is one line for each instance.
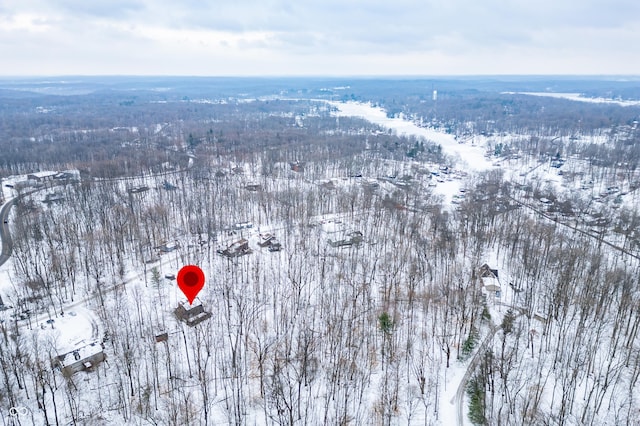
<point>168,247</point>
<point>253,187</point>
<point>137,189</point>
<point>162,337</point>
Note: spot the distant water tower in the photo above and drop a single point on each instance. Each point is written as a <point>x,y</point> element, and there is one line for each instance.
<point>435,95</point>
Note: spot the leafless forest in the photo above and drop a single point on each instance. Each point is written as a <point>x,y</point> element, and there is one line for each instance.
<point>374,331</point>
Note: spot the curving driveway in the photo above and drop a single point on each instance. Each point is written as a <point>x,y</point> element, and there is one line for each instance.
<point>5,236</point>
<point>458,399</point>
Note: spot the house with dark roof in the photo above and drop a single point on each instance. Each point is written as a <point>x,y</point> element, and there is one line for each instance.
<point>236,249</point>
<point>489,279</point>
<point>191,314</point>
<point>84,358</point>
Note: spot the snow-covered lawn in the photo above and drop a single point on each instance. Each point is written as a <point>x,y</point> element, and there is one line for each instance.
<point>74,329</point>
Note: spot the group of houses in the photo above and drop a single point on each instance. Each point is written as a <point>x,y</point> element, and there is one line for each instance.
<point>241,247</point>
<point>40,179</point>
<point>86,357</point>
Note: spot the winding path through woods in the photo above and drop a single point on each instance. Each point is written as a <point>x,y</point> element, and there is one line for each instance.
<point>458,399</point>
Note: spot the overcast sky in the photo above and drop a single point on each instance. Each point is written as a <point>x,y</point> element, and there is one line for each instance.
<point>320,37</point>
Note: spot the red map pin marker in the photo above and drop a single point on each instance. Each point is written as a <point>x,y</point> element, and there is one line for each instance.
<point>190,280</point>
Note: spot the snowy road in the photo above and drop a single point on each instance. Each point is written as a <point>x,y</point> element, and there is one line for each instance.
<point>598,238</point>
<point>5,236</point>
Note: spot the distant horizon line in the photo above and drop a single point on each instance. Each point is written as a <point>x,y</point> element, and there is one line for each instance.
<point>332,76</point>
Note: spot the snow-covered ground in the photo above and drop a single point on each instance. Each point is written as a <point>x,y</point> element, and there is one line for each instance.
<point>76,328</point>
<point>471,157</point>
<point>240,290</point>
<point>579,98</point>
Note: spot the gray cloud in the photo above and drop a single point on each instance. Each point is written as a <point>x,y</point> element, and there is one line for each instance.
<point>454,29</point>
